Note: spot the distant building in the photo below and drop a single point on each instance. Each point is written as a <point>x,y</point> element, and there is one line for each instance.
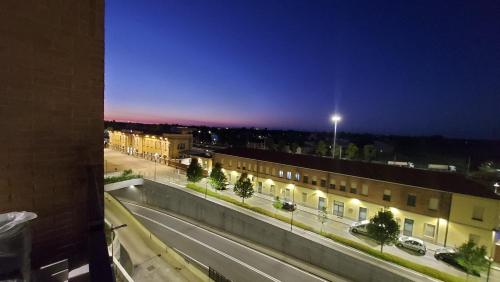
<point>441,208</point>
<point>161,147</point>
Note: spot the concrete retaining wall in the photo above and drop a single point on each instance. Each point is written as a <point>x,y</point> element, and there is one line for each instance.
<point>357,268</point>
<point>123,184</point>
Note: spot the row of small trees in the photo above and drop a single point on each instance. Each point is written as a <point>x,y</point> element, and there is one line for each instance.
<point>217,179</point>
<point>352,151</point>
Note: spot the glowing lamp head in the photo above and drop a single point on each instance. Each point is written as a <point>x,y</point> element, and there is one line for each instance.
<point>336,118</point>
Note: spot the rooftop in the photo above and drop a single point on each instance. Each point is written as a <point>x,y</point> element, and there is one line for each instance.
<point>443,181</point>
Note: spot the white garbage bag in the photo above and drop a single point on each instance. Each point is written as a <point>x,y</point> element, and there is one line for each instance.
<point>15,246</point>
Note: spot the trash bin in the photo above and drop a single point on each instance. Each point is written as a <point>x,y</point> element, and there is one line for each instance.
<point>15,246</point>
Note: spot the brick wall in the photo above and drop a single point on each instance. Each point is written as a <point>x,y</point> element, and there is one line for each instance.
<point>51,119</point>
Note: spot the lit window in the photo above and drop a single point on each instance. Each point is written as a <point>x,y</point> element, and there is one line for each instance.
<point>314,181</point>
<point>387,195</point>
<point>478,213</point>
<point>433,204</point>
<point>280,173</point>
<point>288,175</point>
<point>297,176</point>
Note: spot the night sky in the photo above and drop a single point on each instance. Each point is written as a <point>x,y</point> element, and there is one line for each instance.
<point>396,67</point>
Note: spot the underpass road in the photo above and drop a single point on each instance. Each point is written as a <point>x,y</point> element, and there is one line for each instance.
<point>235,261</point>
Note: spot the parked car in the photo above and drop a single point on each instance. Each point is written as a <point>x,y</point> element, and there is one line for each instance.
<point>449,256</point>
<point>289,206</point>
<point>359,227</point>
<point>411,243</point>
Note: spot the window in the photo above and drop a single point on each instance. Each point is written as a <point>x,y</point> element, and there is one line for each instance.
<point>338,208</point>
<point>244,165</point>
<point>342,186</point>
<point>288,175</point>
<point>477,213</point>
<point>222,161</point>
<point>238,165</point>
<point>267,170</point>
<point>230,163</point>
<point>433,204</point>
<point>364,190</point>
<point>306,179</point>
<point>323,183</point>
<point>429,230</point>
<point>181,146</point>
<point>273,171</point>
<point>297,176</point>
<point>411,200</point>
<point>332,184</point>
<point>387,195</point>
<point>314,181</point>
<point>474,238</point>
<point>304,197</point>
<point>354,188</point>
<point>261,169</point>
<point>280,173</point>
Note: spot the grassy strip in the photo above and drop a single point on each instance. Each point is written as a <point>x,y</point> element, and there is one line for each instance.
<point>385,256</point>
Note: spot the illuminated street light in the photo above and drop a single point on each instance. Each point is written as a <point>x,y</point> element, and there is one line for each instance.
<point>335,119</point>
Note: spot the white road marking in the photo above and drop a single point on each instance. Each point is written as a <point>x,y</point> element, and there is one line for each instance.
<point>226,239</point>
<point>212,248</point>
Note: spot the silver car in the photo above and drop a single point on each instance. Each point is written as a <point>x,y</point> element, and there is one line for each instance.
<point>411,243</point>
<point>359,227</point>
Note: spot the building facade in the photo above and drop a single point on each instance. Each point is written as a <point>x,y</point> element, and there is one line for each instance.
<point>162,147</point>
<point>441,208</point>
<point>52,88</point>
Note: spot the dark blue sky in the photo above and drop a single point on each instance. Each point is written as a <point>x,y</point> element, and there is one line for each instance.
<point>395,67</point>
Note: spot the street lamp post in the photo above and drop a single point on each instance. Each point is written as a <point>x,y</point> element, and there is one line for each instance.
<point>112,230</point>
<point>335,118</point>
<point>293,207</point>
<point>155,168</point>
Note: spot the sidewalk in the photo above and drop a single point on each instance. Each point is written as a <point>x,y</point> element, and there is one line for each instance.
<point>148,266</point>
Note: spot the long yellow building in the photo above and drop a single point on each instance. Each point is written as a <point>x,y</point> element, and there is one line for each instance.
<point>443,208</point>
<point>162,147</point>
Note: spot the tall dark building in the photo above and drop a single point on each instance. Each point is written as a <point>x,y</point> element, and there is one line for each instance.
<point>51,119</point>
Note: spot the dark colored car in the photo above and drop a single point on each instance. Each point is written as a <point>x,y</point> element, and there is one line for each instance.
<point>289,206</point>
<point>449,256</point>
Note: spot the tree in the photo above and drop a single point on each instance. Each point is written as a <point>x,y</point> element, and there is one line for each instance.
<point>352,151</point>
<point>194,171</point>
<point>322,217</point>
<point>369,152</point>
<point>243,187</point>
<point>383,228</point>
<point>269,143</point>
<point>277,204</point>
<point>472,257</point>
<point>321,148</point>
<point>217,178</point>
<point>293,147</point>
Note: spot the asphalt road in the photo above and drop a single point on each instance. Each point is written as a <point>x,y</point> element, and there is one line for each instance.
<point>233,260</point>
